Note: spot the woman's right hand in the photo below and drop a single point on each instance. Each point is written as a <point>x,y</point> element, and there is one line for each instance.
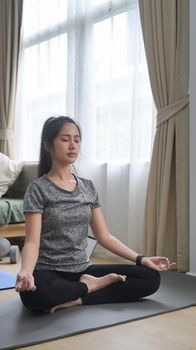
<point>25,282</point>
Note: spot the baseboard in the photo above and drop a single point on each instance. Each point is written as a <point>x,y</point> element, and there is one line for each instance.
<point>191,273</point>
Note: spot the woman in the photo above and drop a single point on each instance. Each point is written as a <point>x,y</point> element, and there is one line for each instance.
<point>59,206</point>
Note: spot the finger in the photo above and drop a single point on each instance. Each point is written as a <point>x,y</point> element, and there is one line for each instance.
<point>162,269</point>
<point>19,277</point>
<point>31,286</point>
<point>18,286</point>
<point>172,265</point>
<point>28,286</point>
<point>165,262</point>
<point>157,268</point>
<point>154,266</point>
<point>168,264</point>
<point>24,285</point>
<point>124,278</point>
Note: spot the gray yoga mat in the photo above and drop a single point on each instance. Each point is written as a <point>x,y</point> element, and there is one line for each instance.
<point>21,327</point>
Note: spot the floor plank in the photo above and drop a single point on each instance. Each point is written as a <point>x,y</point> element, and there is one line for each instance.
<point>171,331</point>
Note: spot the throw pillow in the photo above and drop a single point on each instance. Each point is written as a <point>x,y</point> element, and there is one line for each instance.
<point>9,170</point>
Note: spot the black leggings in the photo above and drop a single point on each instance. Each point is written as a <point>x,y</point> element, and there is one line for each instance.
<point>54,287</point>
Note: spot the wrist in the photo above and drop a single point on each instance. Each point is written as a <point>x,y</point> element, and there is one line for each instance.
<point>138,259</point>
<point>26,271</point>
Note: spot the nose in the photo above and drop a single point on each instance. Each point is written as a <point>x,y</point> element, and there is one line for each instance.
<point>71,144</point>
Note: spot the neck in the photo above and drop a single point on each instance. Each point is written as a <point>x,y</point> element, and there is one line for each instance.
<point>61,172</point>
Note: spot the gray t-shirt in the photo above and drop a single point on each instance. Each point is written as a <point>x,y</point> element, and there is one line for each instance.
<point>65,221</point>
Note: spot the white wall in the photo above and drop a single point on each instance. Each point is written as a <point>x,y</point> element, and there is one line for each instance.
<point>192,137</point>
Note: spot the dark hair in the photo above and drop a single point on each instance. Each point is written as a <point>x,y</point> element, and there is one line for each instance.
<point>51,129</point>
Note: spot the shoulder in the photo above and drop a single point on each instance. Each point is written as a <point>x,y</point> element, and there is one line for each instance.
<point>40,182</point>
<point>89,192</point>
<point>34,198</point>
<point>87,183</point>
<point>39,185</point>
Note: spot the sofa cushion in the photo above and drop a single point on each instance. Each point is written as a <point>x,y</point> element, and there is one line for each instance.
<point>10,170</point>
<point>27,175</point>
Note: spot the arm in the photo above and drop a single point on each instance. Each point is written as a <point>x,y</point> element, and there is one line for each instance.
<point>25,280</point>
<point>108,241</point>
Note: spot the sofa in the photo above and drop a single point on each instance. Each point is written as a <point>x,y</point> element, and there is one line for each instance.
<point>11,203</point>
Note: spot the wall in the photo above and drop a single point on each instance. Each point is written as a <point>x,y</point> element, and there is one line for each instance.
<point>192,137</point>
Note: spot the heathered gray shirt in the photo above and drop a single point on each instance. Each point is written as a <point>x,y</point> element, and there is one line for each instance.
<point>65,221</point>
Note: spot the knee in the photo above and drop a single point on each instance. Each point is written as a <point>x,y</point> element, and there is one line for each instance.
<point>155,280</point>
<point>32,301</point>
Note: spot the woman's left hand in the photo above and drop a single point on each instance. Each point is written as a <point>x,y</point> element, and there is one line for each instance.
<point>158,263</point>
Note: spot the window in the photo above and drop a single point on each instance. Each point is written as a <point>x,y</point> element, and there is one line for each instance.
<point>116,71</point>
<point>86,59</point>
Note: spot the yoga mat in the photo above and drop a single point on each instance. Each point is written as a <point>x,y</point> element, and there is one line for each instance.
<point>22,327</point>
<point>7,280</point>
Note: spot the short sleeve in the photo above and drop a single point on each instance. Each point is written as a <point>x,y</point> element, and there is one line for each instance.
<point>33,199</point>
<point>95,202</point>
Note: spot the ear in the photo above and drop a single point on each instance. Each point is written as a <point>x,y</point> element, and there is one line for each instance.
<point>47,147</point>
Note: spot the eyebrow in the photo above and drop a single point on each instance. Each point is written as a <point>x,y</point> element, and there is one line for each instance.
<point>76,135</point>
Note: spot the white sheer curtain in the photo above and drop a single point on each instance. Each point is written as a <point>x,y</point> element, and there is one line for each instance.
<point>85,59</point>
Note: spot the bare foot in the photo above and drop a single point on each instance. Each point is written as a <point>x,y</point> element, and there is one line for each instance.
<point>93,284</point>
<point>76,302</point>
<point>96,283</point>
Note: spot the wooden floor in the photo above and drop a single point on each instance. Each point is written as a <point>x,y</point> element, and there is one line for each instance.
<point>171,331</point>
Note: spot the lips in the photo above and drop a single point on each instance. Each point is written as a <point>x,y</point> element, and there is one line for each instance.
<point>71,154</point>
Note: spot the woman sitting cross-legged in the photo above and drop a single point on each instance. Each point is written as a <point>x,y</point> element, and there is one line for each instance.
<point>59,207</point>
